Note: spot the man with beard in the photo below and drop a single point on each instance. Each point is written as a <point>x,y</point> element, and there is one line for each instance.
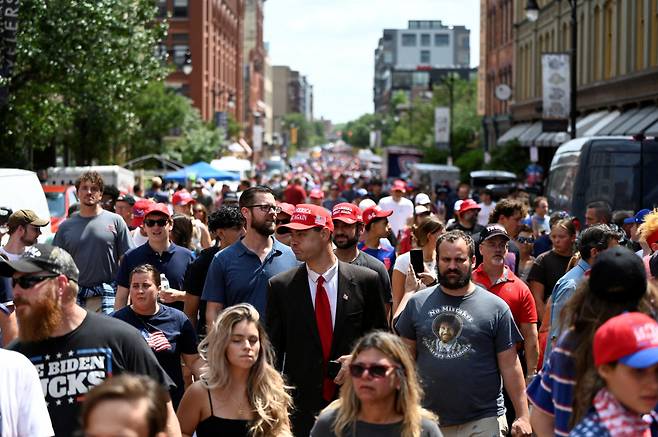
<point>348,227</point>
<point>315,313</point>
<point>24,230</point>
<point>462,385</point>
<point>71,348</point>
<point>96,239</point>
<point>467,218</point>
<point>240,272</point>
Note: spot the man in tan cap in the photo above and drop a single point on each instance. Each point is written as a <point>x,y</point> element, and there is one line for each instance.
<point>24,229</point>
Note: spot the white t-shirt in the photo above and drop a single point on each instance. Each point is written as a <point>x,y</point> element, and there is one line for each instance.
<point>10,256</point>
<point>402,264</point>
<point>485,211</point>
<point>23,410</point>
<point>138,238</point>
<point>402,211</point>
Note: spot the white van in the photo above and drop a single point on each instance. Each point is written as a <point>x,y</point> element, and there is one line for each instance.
<point>20,189</point>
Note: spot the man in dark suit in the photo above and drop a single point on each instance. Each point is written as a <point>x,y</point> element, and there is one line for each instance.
<point>316,312</point>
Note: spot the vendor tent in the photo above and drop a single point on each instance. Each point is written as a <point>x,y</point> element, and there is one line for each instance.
<point>200,170</point>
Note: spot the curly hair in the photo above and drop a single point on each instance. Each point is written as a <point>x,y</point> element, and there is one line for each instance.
<point>225,217</point>
<point>267,393</point>
<point>507,208</point>
<point>93,178</point>
<point>650,226</point>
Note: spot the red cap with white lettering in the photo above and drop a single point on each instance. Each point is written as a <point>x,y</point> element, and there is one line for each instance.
<point>630,338</point>
<point>307,216</point>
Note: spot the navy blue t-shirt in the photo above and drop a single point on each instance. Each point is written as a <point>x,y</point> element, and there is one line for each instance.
<point>173,263</point>
<point>169,333</point>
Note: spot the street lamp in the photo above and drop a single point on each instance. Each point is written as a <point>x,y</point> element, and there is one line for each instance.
<point>187,63</point>
<point>532,13</point>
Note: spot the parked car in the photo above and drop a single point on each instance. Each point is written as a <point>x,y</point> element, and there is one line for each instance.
<point>501,183</point>
<point>21,189</point>
<point>60,198</point>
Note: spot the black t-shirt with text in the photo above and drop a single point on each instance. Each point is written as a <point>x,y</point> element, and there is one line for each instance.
<point>70,365</point>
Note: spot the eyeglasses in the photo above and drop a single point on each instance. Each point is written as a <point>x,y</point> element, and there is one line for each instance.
<point>30,281</point>
<point>524,240</point>
<point>152,222</point>
<point>375,370</point>
<point>266,208</point>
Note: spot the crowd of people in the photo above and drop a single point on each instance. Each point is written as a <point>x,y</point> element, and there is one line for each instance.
<point>327,303</point>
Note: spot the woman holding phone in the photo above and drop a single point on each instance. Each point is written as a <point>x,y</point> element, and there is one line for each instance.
<point>417,264</point>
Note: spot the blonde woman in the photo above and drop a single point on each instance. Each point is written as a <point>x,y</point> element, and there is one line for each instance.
<point>426,232</point>
<point>381,397</point>
<point>240,393</point>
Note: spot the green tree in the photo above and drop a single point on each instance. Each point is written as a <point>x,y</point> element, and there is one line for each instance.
<point>80,66</point>
<point>307,132</point>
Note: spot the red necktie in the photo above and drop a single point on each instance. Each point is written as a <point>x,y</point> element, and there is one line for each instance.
<point>325,328</point>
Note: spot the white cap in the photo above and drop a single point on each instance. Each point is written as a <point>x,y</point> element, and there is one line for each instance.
<point>422,199</point>
<point>366,203</point>
<point>421,209</point>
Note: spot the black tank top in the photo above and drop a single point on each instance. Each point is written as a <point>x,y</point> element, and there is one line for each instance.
<point>214,426</point>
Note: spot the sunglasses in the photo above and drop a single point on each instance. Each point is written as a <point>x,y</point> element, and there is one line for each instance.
<point>524,240</point>
<point>375,370</point>
<point>27,282</point>
<point>266,208</point>
<point>152,222</point>
<point>282,222</point>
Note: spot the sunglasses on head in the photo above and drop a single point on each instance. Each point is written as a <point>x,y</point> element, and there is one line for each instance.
<point>375,370</point>
<point>30,281</point>
<point>523,240</point>
<point>152,222</point>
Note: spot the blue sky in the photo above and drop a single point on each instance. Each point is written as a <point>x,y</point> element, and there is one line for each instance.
<point>332,42</point>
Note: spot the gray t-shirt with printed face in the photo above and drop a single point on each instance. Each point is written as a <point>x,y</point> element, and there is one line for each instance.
<point>457,342</point>
<point>96,244</point>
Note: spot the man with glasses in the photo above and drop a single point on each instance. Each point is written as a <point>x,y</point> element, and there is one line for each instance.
<point>241,272</point>
<point>71,348</point>
<point>96,239</point>
<point>158,251</point>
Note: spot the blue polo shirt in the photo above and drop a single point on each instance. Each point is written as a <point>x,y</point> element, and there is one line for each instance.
<point>173,263</point>
<point>236,274</point>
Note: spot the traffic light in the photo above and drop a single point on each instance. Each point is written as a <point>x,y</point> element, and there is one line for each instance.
<point>293,135</point>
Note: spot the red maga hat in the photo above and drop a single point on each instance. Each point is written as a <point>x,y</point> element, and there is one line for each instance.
<point>182,197</point>
<point>308,216</point>
<point>139,211</point>
<point>374,212</point>
<point>630,338</point>
<point>316,193</point>
<point>158,208</point>
<point>347,212</point>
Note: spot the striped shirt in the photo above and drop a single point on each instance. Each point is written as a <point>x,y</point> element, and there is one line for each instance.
<point>552,390</point>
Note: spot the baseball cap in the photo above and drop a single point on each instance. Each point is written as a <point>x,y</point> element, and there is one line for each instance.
<point>125,197</point>
<point>230,196</point>
<point>618,275</point>
<point>139,211</point>
<point>347,212</point>
<point>422,199</point>
<point>361,192</point>
<point>629,338</point>
<point>374,212</point>
<point>42,257</point>
<point>366,203</point>
<point>467,205</point>
<point>638,217</point>
<point>286,208</point>
<point>316,193</point>
<point>493,230</point>
<point>25,217</point>
<point>399,186</point>
<point>182,197</point>
<point>307,216</point>
<point>159,208</point>
<point>421,209</point>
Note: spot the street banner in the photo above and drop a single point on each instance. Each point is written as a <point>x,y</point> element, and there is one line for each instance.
<point>556,89</point>
<point>257,138</point>
<point>8,32</point>
<point>442,127</point>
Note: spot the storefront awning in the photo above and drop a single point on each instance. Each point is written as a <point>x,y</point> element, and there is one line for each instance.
<point>513,133</point>
<point>652,131</point>
<point>527,139</point>
<point>633,125</point>
<point>618,122</point>
<point>600,124</point>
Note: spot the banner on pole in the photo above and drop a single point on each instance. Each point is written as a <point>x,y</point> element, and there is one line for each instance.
<point>442,127</point>
<point>556,89</point>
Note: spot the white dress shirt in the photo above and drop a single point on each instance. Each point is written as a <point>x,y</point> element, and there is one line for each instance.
<point>330,286</point>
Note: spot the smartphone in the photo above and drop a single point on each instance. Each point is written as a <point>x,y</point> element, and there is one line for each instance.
<point>416,258</point>
<point>333,367</point>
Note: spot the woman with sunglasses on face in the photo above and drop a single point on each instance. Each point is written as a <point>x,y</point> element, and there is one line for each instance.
<point>239,392</point>
<point>525,240</point>
<point>381,397</point>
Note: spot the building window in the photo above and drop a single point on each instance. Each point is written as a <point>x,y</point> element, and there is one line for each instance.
<point>179,54</point>
<point>424,56</point>
<point>388,57</point>
<point>408,39</point>
<point>425,39</point>
<point>420,79</point>
<point>162,8</point>
<point>441,40</point>
<point>180,8</point>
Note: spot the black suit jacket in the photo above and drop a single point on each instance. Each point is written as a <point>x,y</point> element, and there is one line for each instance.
<point>293,331</point>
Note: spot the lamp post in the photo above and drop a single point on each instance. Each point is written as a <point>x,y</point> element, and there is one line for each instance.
<point>532,13</point>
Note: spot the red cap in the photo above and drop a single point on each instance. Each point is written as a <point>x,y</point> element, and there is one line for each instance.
<point>347,212</point>
<point>399,186</point>
<point>139,211</point>
<point>287,208</point>
<point>316,193</point>
<point>308,216</point>
<point>159,208</point>
<point>374,212</point>
<point>630,338</point>
<point>182,197</point>
<point>468,204</point>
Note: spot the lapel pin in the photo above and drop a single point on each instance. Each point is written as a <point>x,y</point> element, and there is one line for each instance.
<point>345,297</point>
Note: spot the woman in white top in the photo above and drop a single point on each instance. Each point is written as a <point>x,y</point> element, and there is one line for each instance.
<point>426,233</point>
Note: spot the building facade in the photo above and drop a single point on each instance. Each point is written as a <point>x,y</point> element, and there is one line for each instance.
<point>253,55</point>
<point>617,69</point>
<point>211,30</point>
<point>292,92</point>
<point>412,59</point>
